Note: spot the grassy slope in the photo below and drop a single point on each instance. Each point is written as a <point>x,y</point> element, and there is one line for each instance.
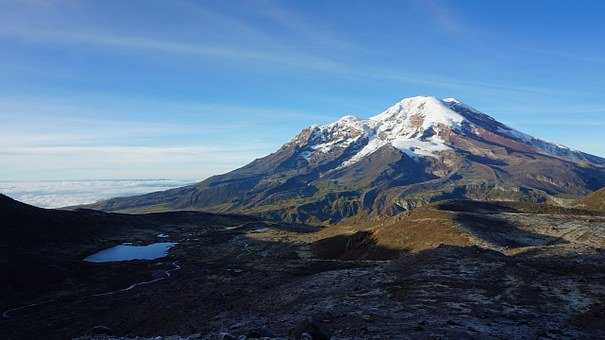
<point>424,228</point>
<point>454,223</point>
<point>594,201</point>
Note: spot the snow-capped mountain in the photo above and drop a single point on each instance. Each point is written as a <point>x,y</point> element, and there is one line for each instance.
<point>419,127</point>
<point>420,150</point>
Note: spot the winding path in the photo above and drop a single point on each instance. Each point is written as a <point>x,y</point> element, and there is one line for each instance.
<point>167,274</point>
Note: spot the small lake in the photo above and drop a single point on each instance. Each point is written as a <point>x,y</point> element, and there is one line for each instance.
<point>127,252</point>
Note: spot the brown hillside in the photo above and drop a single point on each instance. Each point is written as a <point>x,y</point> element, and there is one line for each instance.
<point>424,228</point>
<point>594,201</point>
<point>499,226</point>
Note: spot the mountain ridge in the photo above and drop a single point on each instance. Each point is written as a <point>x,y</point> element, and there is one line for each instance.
<point>419,150</point>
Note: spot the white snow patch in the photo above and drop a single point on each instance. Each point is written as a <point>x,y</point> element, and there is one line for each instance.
<point>516,134</point>
<point>373,145</point>
<point>432,110</point>
<point>341,133</point>
<point>415,147</point>
<point>547,148</point>
<point>306,154</point>
<point>451,100</point>
<point>399,126</point>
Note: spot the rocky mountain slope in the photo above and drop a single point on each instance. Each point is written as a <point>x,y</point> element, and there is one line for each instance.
<point>420,150</point>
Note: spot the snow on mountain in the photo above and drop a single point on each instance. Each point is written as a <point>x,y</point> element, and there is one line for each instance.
<point>412,126</point>
<point>414,113</point>
<point>341,133</point>
<point>418,127</point>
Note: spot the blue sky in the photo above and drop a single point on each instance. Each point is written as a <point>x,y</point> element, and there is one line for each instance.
<point>187,89</point>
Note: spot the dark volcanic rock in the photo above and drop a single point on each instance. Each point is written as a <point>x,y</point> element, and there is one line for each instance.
<point>100,330</point>
<point>308,329</point>
<point>260,333</point>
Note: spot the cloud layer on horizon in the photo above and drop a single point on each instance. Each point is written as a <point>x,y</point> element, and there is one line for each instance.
<point>56,194</point>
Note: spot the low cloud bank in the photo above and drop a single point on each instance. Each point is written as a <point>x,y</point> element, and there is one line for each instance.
<point>55,194</point>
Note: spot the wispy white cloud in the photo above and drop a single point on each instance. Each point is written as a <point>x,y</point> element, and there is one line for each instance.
<point>61,131</point>
<point>42,3</point>
<point>131,153</point>
<point>271,55</point>
<point>94,104</point>
<point>274,55</point>
<point>41,121</point>
<point>449,83</point>
<point>224,24</point>
<point>61,162</point>
<point>302,27</point>
<point>58,139</point>
<point>444,16</point>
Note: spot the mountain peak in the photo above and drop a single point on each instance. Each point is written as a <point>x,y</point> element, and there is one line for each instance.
<point>420,112</point>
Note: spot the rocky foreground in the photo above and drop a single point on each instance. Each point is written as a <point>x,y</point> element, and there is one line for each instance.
<point>448,292</point>
<point>481,271</point>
